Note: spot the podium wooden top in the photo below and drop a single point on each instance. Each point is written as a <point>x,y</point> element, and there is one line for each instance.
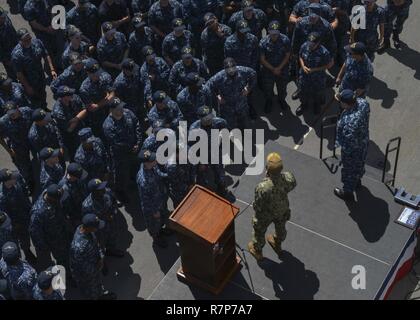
<point>204,214</point>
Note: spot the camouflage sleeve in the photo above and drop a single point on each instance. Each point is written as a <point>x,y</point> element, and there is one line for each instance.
<point>36,232</point>
<point>290,180</point>
<point>261,197</point>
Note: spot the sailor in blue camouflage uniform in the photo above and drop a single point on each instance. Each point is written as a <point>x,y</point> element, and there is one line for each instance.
<point>8,40</point>
<point>43,289</point>
<point>49,229</point>
<point>192,97</point>
<point>151,143</point>
<point>180,70</point>
<point>174,42</point>
<point>353,138</point>
<point>165,110</point>
<point>92,155</point>
<point>96,91</point>
<point>14,129</point>
<point>85,16</point>
<point>75,190</point>
<point>68,114</point>
<point>194,12</point>
<point>87,259</point>
<point>12,91</point>
<point>301,9</point>
<point>131,89</point>
<point>204,172</point>
<point>342,10</point>
<point>6,229</point>
<point>141,36</point>
<point>44,132</point>
<point>73,76</point>
<point>375,19</point>
<point>396,12</point>
<point>112,48</point>
<point>161,15</point>
<point>231,87</point>
<point>256,18</point>
<point>153,196</point>
<point>26,60</point>
<point>314,60</point>
<point>14,199</point>
<point>19,274</point>
<point>357,71</point>
<point>75,45</point>
<point>102,203</point>
<point>51,169</point>
<point>212,42</point>
<point>124,137</point>
<point>275,51</point>
<point>155,69</point>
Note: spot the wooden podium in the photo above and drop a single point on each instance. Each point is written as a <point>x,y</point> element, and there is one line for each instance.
<point>204,223</point>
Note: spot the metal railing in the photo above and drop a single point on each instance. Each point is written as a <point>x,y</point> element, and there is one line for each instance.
<point>327,122</point>
<point>387,152</point>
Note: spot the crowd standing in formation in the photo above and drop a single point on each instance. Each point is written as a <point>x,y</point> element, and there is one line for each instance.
<point>123,70</point>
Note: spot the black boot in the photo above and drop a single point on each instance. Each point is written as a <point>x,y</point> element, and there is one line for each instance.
<point>108,295</point>
<point>385,45</point>
<point>166,231</point>
<point>346,196</point>
<point>397,41</point>
<point>300,110</point>
<point>268,106</point>
<point>295,95</point>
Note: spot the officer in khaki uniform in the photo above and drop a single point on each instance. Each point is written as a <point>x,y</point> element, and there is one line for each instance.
<point>271,205</point>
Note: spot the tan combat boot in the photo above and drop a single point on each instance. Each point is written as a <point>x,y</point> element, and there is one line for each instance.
<point>272,243</point>
<point>257,254</point>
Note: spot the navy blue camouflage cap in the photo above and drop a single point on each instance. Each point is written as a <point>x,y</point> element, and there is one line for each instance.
<point>358,48</point>
<point>7,174</point>
<point>160,96</point>
<point>315,8</point>
<point>40,114</point>
<point>64,91</point>
<point>91,220</point>
<point>193,78</point>
<point>178,24</point>
<point>274,27</point>
<point>45,278</point>
<point>186,52</point>
<point>75,58</point>
<point>128,64</point>
<point>10,252</point>
<point>5,80</point>
<point>47,153</point>
<point>72,31</point>
<point>85,134</point>
<point>205,114</point>
<point>75,169</point>
<point>146,155</point>
<point>346,96</point>
<point>3,12</point>
<point>96,184</point>
<point>242,26</point>
<point>116,103</point>
<point>314,37</point>
<point>209,18</point>
<point>247,5</point>
<point>10,107</point>
<point>107,27</point>
<point>138,22</point>
<point>22,33</point>
<point>3,217</point>
<point>91,65</point>
<point>147,51</point>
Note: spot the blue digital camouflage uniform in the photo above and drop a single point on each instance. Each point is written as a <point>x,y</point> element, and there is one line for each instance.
<point>93,92</point>
<point>245,53</point>
<point>396,17</point>
<point>28,61</point>
<point>370,35</point>
<point>159,70</point>
<point>301,9</point>
<point>96,162</point>
<point>312,86</point>
<point>16,95</point>
<point>6,232</point>
<point>134,91</point>
<point>213,47</point>
<point>171,115</point>
<point>180,178</point>
<point>86,20</point>
<point>45,136</point>
<point>15,132</point>
<point>304,28</point>
<point>85,257</point>
<point>83,51</point>
<point>353,137</point>
<point>21,278</point>
<point>172,45</point>
<point>275,53</point>
<point>358,74</point>
<point>205,171</point>
<point>256,24</point>
<point>49,231</point>
<point>137,41</point>
<point>16,203</point>
<point>38,294</point>
<point>153,197</point>
<point>122,136</point>
<point>74,193</point>
<point>50,175</point>
<point>62,115</point>
<point>189,102</point>
<point>8,40</point>
<point>151,144</point>
<point>69,77</point>
<point>179,72</point>
<point>112,51</point>
<point>106,210</point>
<point>235,109</point>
